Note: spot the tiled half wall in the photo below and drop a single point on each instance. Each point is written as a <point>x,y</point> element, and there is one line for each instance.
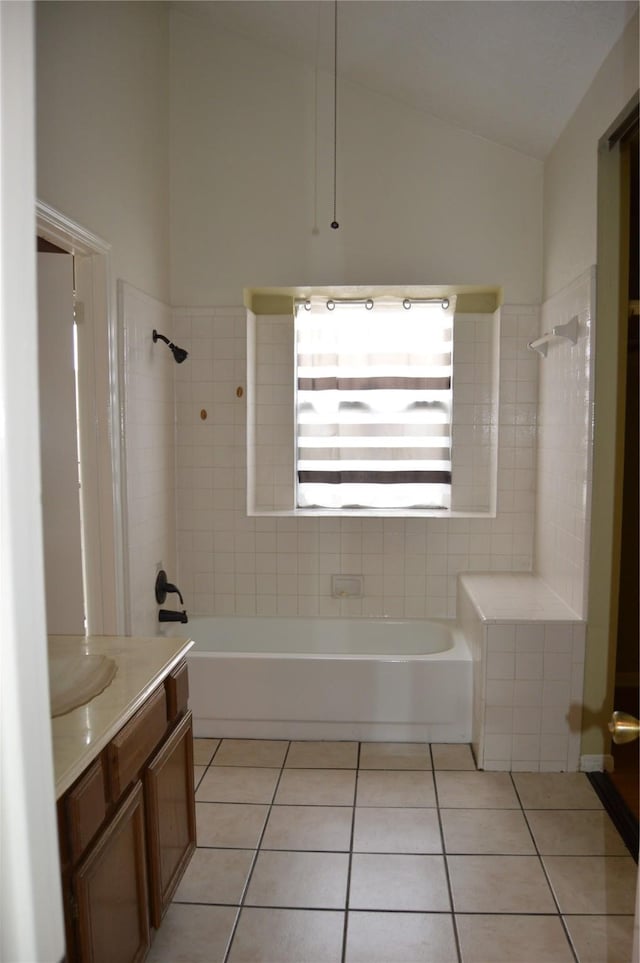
<point>232,564</point>
<point>528,651</point>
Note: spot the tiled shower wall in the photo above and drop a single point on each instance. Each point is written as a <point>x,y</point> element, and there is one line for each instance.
<point>232,564</point>
<point>150,455</point>
<point>564,446</point>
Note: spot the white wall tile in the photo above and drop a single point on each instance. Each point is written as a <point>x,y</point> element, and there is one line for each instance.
<point>212,498</point>
<point>564,447</point>
<point>149,417</point>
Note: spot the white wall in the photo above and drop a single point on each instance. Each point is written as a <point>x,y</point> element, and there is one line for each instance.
<point>30,892</point>
<point>570,171</point>
<point>418,201</point>
<point>103,161</point>
<point>102,121</point>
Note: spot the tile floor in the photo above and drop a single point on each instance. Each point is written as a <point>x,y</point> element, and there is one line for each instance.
<point>346,852</point>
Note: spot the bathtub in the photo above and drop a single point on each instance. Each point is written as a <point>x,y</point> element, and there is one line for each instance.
<point>330,678</point>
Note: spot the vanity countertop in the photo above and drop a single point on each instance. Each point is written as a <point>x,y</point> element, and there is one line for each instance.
<point>142,664</point>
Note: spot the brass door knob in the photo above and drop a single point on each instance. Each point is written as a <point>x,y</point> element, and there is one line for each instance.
<point>624,728</point>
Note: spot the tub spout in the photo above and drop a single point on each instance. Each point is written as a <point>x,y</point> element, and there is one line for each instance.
<point>166,615</point>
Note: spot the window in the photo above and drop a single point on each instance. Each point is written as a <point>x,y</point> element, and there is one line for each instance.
<point>384,410</point>
<point>373,404</point>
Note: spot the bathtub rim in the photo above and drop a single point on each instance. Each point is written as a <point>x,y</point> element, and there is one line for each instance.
<point>459,651</point>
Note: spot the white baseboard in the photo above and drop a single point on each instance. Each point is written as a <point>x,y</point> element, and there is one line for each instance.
<point>601,762</point>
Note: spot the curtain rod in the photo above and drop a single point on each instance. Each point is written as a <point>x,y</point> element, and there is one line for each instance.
<point>369,302</point>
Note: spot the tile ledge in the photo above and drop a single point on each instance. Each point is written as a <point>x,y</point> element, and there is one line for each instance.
<point>515,597</point>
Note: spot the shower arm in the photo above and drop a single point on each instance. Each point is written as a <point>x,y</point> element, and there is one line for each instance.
<point>179,354</point>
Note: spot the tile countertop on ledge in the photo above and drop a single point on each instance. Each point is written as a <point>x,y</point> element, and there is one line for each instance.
<point>516,597</point>
<point>142,663</point>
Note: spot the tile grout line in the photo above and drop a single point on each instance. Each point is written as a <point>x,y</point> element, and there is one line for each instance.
<point>454,922</point>
<point>544,870</point>
<point>255,857</point>
<point>345,929</point>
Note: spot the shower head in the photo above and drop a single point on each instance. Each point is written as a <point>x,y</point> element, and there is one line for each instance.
<point>178,353</point>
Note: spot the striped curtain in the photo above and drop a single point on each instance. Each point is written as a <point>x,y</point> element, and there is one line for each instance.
<point>373,406</point>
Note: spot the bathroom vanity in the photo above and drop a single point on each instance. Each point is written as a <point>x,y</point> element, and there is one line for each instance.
<point>124,784</point>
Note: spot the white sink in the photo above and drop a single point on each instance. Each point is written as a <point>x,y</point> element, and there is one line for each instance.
<point>76,679</point>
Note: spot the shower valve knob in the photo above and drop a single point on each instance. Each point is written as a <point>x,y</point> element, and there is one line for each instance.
<point>164,587</point>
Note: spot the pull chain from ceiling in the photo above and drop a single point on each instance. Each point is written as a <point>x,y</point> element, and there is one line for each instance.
<point>334,223</point>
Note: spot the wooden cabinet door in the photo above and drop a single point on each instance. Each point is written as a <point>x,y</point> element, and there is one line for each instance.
<point>111,890</point>
<point>171,820</point>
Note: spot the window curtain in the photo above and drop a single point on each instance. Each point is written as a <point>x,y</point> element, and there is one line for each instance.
<point>373,405</point>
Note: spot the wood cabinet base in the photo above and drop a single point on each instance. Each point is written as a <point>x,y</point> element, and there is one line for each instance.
<point>171,816</point>
<point>111,890</point>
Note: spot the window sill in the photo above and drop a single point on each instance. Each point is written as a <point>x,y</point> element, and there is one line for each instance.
<point>366,513</point>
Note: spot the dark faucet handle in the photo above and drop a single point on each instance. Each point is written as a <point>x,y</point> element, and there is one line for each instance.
<point>170,587</point>
<point>163,588</point>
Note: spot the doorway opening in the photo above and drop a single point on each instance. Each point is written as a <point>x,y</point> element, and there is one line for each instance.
<point>98,419</point>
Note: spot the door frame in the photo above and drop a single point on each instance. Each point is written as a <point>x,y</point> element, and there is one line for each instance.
<point>608,435</point>
<point>100,420</point>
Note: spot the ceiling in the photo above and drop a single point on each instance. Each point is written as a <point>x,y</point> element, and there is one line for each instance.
<point>512,71</point>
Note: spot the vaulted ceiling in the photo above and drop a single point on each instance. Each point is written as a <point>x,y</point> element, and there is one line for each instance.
<point>512,71</point>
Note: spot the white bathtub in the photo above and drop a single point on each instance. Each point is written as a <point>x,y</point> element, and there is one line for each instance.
<point>306,678</point>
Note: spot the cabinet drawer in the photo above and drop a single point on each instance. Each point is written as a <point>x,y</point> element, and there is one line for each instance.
<point>128,751</point>
<point>177,686</point>
<point>86,808</point>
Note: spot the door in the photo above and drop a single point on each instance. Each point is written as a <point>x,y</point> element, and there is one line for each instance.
<point>625,775</point>
<point>62,533</point>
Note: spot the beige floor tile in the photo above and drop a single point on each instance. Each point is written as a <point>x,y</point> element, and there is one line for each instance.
<point>555,790</point>
<point>215,876</point>
<point>322,755</point>
<point>395,830</point>
<point>305,880</point>
<point>452,756</point>
<point>251,752</point>
<point>593,884</point>
<point>482,831</point>
<point>309,828</point>
<point>235,784</point>
<point>400,938</point>
<point>476,790</point>
<point>406,789</point>
<point>198,773</point>
<point>193,934</point>
<point>316,787</point>
<point>513,939</point>
<point>499,884</point>
<point>203,750</point>
<point>232,825</point>
<point>398,882</point>
<point>287,936</point>
<point>601,939</point>
<point>575,833</point>
<point>395,755</point>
